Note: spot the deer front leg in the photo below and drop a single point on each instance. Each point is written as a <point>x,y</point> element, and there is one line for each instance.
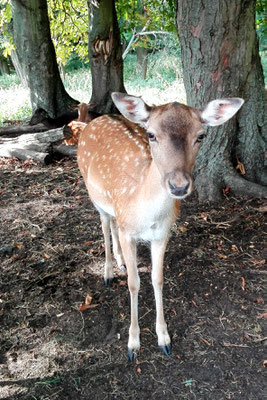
<point>158,248</point>
<point>108,271</point>
<point>116,245</point>
<point>128,246</point>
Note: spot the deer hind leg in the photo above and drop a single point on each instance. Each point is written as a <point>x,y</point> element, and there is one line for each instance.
<point>157,252</point>
<point>128,246</point>
<point>117,251</point>
<point>108,271</point>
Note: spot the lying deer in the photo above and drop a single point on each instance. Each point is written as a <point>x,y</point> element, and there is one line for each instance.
<point>137,167</point>
<point>77,126</point>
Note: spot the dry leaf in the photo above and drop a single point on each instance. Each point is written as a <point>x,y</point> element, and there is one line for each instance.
<point>182,229</point>
<point>226,190</point>
<point>243,283</point>
<point>262,316</point>
<point>139,370</point>
<point>240,167</point>
<point>223,256</point>
<point>204,216</point>
<point>88,299</point>
<point>18,245</point>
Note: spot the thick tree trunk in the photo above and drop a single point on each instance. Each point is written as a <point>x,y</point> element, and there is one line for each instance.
<point>105,53</point>
<point>37,58</point>
<point>220,58</point>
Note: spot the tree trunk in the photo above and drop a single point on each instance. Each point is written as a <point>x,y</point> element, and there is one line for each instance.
<point>4,67</point>
<point>220,58</point>
<point>40,146</point>
<point>18,69</point>
<point>37,58</point>
<point>105,53</point>
<point>142,55</point>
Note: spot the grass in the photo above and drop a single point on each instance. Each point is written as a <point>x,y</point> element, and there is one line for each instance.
<point>163,84</point>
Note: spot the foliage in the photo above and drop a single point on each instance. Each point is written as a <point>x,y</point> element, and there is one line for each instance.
<point>261,23</point>
<point>153,15</point>
<point>6,41</point>
<point>69,28</point>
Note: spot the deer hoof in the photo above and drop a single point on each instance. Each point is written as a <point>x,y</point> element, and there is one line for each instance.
<point>132,355</point>
<point>166,349</point>
<point>108,282</point>
<point>122,268</point>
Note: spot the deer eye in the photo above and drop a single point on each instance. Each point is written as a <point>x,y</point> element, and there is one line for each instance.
<point>151,137</point>
<point>200,137</point>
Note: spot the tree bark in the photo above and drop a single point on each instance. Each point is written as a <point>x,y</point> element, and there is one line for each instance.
<point>220,58</point>
<point>37,58</point>
<point>105,53</point>
<point>17,130</point>
<point>142,55</point>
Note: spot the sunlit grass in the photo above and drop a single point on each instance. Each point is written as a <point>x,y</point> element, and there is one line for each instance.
<point>163,84</point>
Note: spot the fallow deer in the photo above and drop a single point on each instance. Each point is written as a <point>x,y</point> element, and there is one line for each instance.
<point>137,167</point>
<point>77,126</point>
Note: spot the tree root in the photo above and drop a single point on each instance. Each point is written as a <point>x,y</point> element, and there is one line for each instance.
<point>241,186</point>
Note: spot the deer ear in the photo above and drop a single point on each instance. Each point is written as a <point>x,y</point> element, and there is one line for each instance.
<point>132,108</point>
<point>219,111</point>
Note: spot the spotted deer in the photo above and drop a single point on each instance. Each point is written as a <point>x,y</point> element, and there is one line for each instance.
<point>137,167</point>
<point>85,116</point>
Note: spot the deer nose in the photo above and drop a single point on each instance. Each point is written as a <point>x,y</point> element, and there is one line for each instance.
<point>179,191</point>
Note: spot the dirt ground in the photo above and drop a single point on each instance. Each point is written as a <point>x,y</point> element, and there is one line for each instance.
<point>52,346</point>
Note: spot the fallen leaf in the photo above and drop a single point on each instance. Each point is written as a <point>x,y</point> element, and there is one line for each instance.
<point>259,300</point>
<point>240,166</point>
<point>18,245</point>
<point>88,299</point>
<point>84,307</point>
<point>182,229</point>
<point>222,256</point>
<point>139,370</point>
<point>226,190</point>
<point>204,216</point>
<point>243,283</point>
<point>262,316</point>
<point>122,283</point>
<point>88,243</point>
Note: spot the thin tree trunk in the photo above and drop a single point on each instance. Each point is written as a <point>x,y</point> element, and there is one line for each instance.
<point>142,54</point>
<point>37,58</point>
<point>220,58</point>
<point>105,53</point>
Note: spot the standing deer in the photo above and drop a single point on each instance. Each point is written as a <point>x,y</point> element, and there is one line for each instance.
<point>137,167</point>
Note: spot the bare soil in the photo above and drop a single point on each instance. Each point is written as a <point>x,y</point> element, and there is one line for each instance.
<point>52,346</point>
